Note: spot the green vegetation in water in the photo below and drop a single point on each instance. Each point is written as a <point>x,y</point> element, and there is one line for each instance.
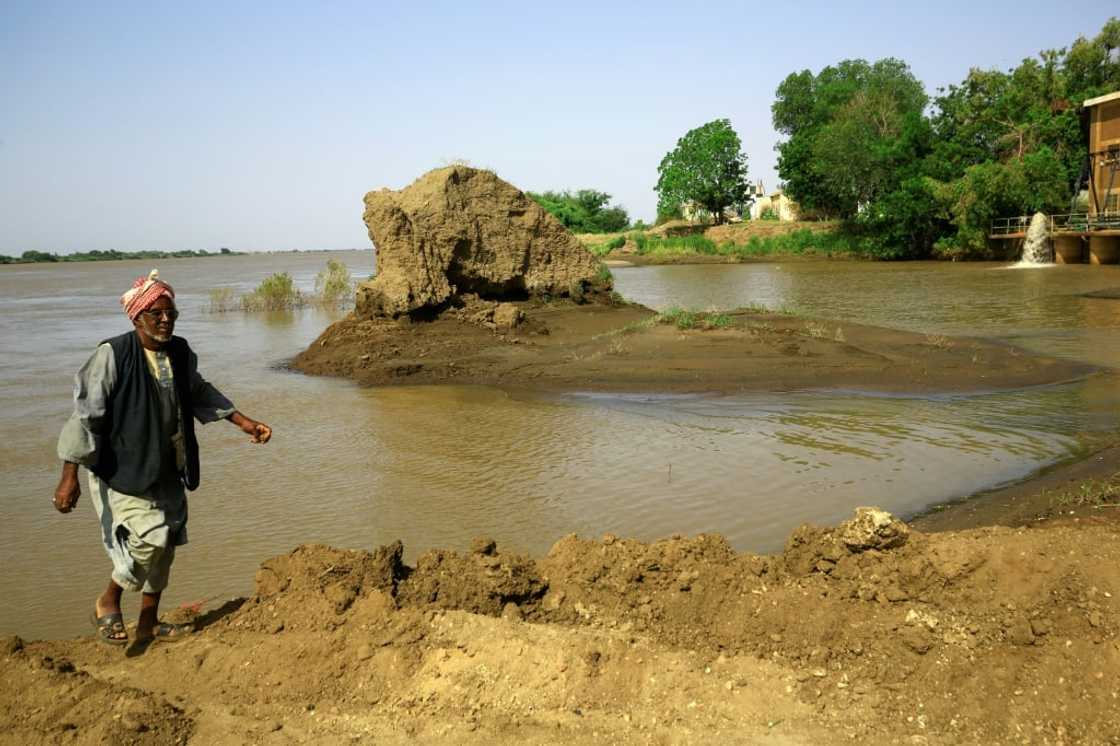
<point>278,292</point>
<point>1090,493</point>
<point>36,257</point>
<point>603,276</point>
<point>333,286</point>
<point>683,319</point>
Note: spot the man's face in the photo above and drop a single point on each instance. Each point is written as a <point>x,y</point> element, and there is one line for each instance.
<point>158,322</point>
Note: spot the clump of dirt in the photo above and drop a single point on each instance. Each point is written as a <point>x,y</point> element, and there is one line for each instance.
<point>461,230</point>
<point>869,631</point>
<point>483,582</point>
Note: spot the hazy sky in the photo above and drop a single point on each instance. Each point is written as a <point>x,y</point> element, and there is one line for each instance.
<point>261,125</point>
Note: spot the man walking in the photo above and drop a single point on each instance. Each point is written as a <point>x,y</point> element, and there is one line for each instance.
<point>135,403</point>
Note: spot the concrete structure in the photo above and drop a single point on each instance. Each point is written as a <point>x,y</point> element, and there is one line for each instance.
<point>1104,154</point>
<point>1092,236</point>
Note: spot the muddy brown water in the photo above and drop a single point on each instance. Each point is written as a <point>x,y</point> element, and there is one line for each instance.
<point>438,466</point>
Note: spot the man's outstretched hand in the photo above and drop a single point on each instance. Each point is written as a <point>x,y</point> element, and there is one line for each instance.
<point>67,493</point>
<point>258,432</point>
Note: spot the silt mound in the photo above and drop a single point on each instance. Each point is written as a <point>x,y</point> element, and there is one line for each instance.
<point>867,631</point>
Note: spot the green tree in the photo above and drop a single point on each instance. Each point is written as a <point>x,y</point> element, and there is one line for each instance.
<point>583,211</point>
<point>708,168</point>
<point>842,127</point>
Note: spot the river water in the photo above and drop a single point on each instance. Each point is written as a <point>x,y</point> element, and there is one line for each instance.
<point>437,466</point>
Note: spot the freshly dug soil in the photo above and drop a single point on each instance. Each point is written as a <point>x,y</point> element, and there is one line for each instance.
<point>596,347</point>
<point>992,635</point>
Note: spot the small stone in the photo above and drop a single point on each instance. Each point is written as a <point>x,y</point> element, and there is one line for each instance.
<point>275,726</point>
<point>276,627</point>
<point>11,645</point>
<point>511,612</point>
<point>507,316</point>
<point>1095,619</point>
<point>1040,627</point>
<point>915,639</point>
<point>1020,633</point>
<point>895,594</point>
<point>873,528</point>
<point>365,652</point>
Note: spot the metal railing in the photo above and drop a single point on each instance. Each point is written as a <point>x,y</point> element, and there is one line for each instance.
<point>1074,222</point>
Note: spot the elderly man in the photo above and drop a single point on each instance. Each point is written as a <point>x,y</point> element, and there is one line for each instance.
<point>135,402</point>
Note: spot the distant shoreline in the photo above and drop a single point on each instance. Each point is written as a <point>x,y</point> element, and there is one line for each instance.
<point>45,257</point>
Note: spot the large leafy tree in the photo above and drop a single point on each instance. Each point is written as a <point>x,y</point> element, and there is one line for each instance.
<point>842,129</point>
<point>707,168</point>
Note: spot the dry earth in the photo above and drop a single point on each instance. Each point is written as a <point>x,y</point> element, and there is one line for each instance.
<point>992,635</point>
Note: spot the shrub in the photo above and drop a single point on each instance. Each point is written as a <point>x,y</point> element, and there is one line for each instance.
<point>222,300</point>
<point>276,292</point>
<point>603,277</point>
<point>684,319</point>
<point>333,286</point>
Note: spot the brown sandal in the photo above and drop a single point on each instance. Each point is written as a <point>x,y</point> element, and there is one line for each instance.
<point>109,625</point>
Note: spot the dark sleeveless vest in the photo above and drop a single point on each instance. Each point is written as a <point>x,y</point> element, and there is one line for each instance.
<point>129,458</point>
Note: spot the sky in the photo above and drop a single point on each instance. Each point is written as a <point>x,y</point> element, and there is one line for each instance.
<point>260,126</point>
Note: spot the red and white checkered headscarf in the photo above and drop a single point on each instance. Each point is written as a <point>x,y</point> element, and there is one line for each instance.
<point>144,293</point>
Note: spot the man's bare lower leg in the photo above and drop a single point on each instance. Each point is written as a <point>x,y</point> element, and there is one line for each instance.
<point>149,615</point>
<point>109,602</point>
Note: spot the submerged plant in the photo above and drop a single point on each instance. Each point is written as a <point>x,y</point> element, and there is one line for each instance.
<point>277,292</point>
<point>333,286</point>
<point>222,300</point>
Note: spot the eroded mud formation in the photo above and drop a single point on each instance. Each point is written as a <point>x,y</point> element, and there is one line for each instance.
<point>458,232</point>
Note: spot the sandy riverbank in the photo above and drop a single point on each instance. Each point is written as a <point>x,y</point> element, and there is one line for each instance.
<point>991,635</point>
<point>564,346</point>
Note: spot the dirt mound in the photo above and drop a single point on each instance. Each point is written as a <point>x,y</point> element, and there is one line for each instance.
<point>868,631</point>
<point>79,707</point>
<point>460,230</point>
<point>562,345</point>
<point>741,233</point>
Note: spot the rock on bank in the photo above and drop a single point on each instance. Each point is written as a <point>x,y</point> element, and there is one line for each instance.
<point>460,230</point>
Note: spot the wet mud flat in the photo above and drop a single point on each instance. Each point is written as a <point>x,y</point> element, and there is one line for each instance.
<point>595,347</point>
<point>868,631</point>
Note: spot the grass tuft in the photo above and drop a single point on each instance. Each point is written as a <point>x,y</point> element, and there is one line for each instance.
<point>684,319</point>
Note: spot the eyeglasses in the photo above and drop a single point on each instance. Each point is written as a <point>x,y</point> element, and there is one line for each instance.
<point>156,314</point>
